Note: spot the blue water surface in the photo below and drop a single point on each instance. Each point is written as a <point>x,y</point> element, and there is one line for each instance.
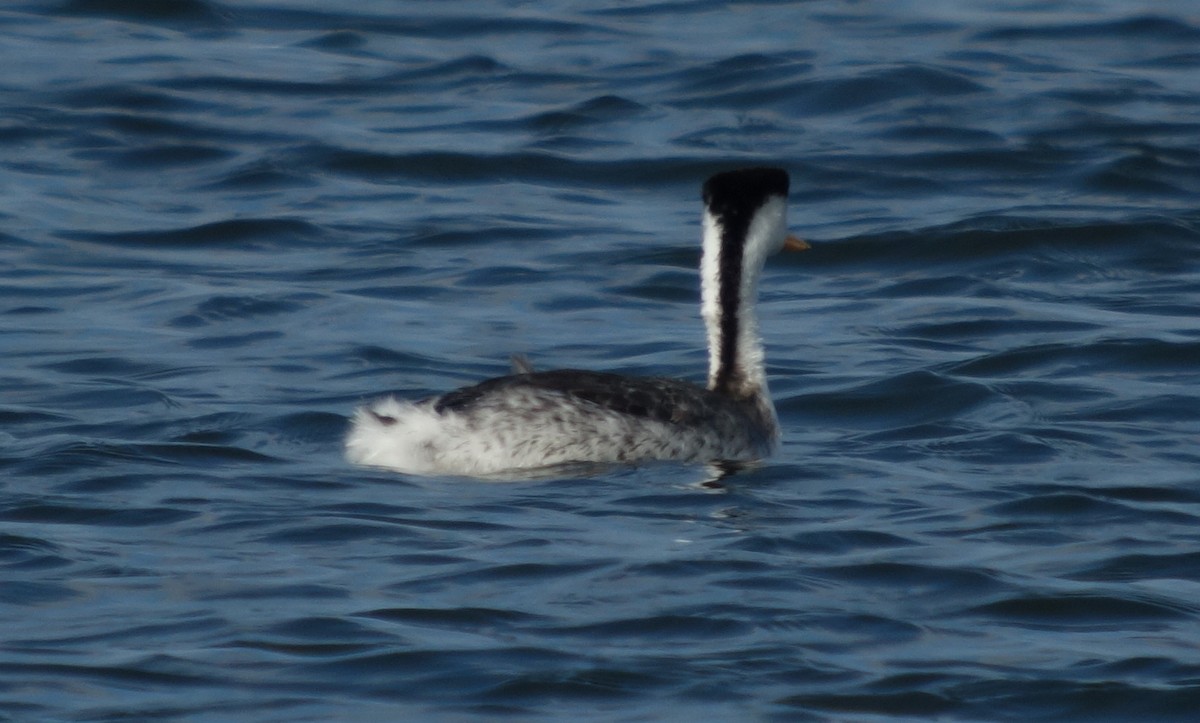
<point>223,225</point>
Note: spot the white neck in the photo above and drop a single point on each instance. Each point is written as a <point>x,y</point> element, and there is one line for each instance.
<point>735,366</point>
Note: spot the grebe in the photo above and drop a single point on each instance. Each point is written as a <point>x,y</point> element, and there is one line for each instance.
<point>529,419</point>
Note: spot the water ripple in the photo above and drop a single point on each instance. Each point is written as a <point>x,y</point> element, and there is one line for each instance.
<point>227,224</point>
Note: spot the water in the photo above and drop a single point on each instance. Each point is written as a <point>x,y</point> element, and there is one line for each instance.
<point>225,225</point>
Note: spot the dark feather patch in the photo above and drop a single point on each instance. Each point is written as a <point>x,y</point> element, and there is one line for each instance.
<point>665,400</point>
<point>741,193</point>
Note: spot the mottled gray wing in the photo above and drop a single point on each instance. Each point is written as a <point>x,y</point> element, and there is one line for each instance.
<point>667,400</point>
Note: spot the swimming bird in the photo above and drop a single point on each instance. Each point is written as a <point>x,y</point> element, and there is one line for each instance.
<point>530,419</point>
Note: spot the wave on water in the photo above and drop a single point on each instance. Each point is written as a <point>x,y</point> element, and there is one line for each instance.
<point>224,225</point>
